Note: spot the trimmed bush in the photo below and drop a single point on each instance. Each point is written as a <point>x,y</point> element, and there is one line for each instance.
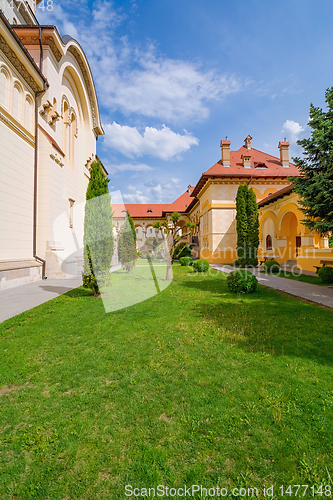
<point>182,250</point>
<point>242,282</point>
<point>272,266</point>
<point>186,261</point>
<point>326,274</point>
<point>201,265</point>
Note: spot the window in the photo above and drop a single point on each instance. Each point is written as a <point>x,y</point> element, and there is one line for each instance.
<point>4,87</point>
<point>71,139</point>
<point>149,211</point>
<point>260,165</point>
<point>17,102</point>
<point>71,205</point>
<point>268,242</point>
<point>65,136</point>
<point>28,113</point>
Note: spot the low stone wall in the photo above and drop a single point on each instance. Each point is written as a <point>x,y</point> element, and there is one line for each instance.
<point>15,273</point>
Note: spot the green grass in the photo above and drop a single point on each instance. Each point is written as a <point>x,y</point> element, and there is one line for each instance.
<point>313,280</point>
<point>192,386</point>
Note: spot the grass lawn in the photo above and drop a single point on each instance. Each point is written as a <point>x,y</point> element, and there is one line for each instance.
<point>313,280</point>
<point>192,386</point>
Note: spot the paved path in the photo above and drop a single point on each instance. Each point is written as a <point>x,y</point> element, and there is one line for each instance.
<point>315,293</point>
<point>21,298</point>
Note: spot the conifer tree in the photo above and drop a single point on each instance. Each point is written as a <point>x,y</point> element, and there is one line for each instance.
<point>247,226</point>
<point>253,228</point>
<point>315,185</point>
<point>127,244</point>
<point>241,224</point>
<point>132,226</point>
<point>98,231</point>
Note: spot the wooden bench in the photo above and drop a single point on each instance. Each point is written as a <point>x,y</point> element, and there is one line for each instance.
<point>323,264</point>
<point>266,258</point>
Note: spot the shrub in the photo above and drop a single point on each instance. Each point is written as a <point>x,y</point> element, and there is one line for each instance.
<point>326,274</point>
<point>241,282</point>
<point>271,266</point>
<point>182,250</point>
<point>186,261</point>
<point>236,263</point>
<point>201,265</point>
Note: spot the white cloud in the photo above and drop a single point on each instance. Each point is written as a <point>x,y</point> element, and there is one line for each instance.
<point>165,88</point>
<point>154,191</point>
<point>292,129</point>
<point>162,143</point>
<point>137,80</point>
<point>104,15</point>
<point>126,167</point>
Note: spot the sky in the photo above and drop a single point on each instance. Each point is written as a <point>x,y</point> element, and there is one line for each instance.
<point>174,77</point>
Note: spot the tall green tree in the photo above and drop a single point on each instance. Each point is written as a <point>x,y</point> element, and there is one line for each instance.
<point>315,185</point>
<point>98,231</point>
<point>247,226</point>
<point>127,244</point>
<point>253,228</point>
<point>241,223</point>
<point>132,225</point>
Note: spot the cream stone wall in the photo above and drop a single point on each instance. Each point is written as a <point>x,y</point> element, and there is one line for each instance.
<point>63,169</point>
<point>68,126</point>
<point>16,162</point>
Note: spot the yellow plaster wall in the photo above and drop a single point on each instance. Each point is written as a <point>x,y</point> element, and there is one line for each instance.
<point>282,220</point>
<point>218,237</point>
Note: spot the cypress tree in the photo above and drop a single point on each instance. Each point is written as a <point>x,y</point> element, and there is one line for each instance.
<point>241,224</point>
<point>98,231</point>
<point>253,228</point>
<point>247,225</point>
<point>315,185</point>
<point>132,226</point>
<point>127,245</point>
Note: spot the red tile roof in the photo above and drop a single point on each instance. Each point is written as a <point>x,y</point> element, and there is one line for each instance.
<point>156,210</point>
<point>275,196</point>
<point>273,167</point>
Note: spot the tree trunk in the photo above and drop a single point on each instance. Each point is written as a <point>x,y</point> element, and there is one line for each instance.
<point>169,271</point>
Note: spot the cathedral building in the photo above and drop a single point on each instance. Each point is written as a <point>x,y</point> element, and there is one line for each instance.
<point>49,124</point>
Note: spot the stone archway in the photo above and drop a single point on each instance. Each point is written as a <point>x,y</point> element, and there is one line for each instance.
<point>289,229</point>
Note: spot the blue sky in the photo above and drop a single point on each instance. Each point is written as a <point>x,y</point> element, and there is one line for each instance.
<point>174,77</point>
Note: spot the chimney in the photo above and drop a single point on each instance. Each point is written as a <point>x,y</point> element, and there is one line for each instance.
<point>284,153</point>
<point>247,142</point>
<point>189,187</point>
<point>246,161</point>
<point>225,147</point>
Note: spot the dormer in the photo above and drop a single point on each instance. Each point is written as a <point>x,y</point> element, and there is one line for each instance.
<point>246,159</point>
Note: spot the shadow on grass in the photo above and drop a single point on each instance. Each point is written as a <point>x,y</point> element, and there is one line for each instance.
<point>268,321</point>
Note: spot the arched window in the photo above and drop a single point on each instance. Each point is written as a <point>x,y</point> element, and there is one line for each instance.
<point>28,113</point>
<point>268,242</point>
<point>65,137</point>
<point>4,87</point>
<point>72,139</point>
<point>17,102</point>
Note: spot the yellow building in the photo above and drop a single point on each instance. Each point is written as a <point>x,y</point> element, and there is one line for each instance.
<point>213,208</point>
<point>49,123</point>
<point>284,237</point>
<point>211,204</point>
